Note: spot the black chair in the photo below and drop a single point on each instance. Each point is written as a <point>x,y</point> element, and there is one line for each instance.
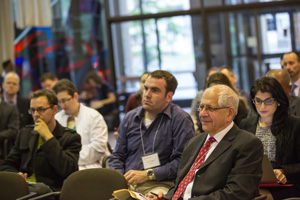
<point>13,186</point>
<point>91,184</point>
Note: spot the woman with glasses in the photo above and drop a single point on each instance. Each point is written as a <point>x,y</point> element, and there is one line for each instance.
<point>279,133</point>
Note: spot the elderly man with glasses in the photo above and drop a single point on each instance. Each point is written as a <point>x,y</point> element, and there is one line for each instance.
<point>45,153</point>
<point>220,163</point>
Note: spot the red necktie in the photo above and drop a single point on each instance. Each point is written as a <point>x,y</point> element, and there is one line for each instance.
<point>198,162</point>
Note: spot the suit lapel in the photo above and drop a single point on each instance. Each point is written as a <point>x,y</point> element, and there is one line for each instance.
<point>32,141</point>
<point>192,155</point>
<point>224,144</point>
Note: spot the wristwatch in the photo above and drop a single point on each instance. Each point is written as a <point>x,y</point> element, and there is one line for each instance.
<point>150,174</point>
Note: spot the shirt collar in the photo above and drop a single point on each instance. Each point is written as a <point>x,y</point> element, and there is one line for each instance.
<point>141,112</point>
<point>14,100</point>
<point>297,83</point>
<point>219,136</point>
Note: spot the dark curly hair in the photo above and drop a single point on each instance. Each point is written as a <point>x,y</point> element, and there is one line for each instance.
<point>280,117</point>
<point>169,78</point>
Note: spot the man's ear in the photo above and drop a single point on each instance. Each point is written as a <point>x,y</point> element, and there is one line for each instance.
<point>55,109</point>
<point>169,96</point>
<point>231,112</point>
<point>76,96</point>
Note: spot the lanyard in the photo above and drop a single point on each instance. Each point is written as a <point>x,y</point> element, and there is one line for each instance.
<point>154,135</point>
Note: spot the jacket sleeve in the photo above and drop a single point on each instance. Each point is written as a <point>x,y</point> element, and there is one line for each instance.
<point>63,157</point>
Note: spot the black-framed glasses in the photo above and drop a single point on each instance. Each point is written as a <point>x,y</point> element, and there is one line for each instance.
<point>64,101</point>
<point>209,108</point>
<point>268,101</point>
<point>39,110</point>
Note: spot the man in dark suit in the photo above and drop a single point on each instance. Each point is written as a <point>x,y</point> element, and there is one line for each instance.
<point>231,167</point>
<point>283,77</point>
<point>8,124</point>
<point>291,62</point>
<point>11,87</point>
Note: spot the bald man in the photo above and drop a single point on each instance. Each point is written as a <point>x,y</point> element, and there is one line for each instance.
<point>283,77</point>
<point>11,87</point>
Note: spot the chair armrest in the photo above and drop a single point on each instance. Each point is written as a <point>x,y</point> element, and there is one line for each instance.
<point>105,161</point>
<point>45,196</point>
<point>260,197</point>
<point>28,196</point>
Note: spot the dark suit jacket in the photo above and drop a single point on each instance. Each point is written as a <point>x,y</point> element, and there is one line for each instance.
<point>291,165</point>
<point>23,104</point>
<point>232,171</point>
<point>294,105</point>
<point>8,121</point>
<point>53,162</point>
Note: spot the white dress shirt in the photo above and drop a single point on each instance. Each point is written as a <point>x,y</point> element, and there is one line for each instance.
<point>90,125</point>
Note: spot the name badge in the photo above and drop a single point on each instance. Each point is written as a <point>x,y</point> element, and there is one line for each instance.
<point>151,161</point>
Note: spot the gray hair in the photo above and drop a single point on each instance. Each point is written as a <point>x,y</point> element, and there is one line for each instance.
<point>226,96</point>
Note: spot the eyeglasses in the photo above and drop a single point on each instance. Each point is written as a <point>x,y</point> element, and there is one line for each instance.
<point>64,101</point>
<point>268,101</point>
<point>209,108</point>
<point>39,110</point>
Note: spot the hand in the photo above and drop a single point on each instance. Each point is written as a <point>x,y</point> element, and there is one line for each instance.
<point>280,176</point>
<point>134,177</point>
<point>159,196</point>
<point>116,134</point>
<point>24,175</point>
<point>42,129</point>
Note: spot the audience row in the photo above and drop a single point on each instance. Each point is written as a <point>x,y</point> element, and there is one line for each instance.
<point>158,149</point>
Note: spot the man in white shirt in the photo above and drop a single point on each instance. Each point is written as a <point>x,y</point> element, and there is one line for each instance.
<point>291,62</point>
<point>87,122</point>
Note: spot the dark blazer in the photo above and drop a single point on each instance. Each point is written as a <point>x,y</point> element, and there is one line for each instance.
<point>294,108</point>
<point>291,165</point>
<point>53,162</point>
<point>23,104</point>
<point>232,171</point>
<point>8,121</point>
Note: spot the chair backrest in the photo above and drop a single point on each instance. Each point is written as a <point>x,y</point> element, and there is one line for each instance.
<point>12,186</point>
<point>90,184</point>
<point>5,146</point>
